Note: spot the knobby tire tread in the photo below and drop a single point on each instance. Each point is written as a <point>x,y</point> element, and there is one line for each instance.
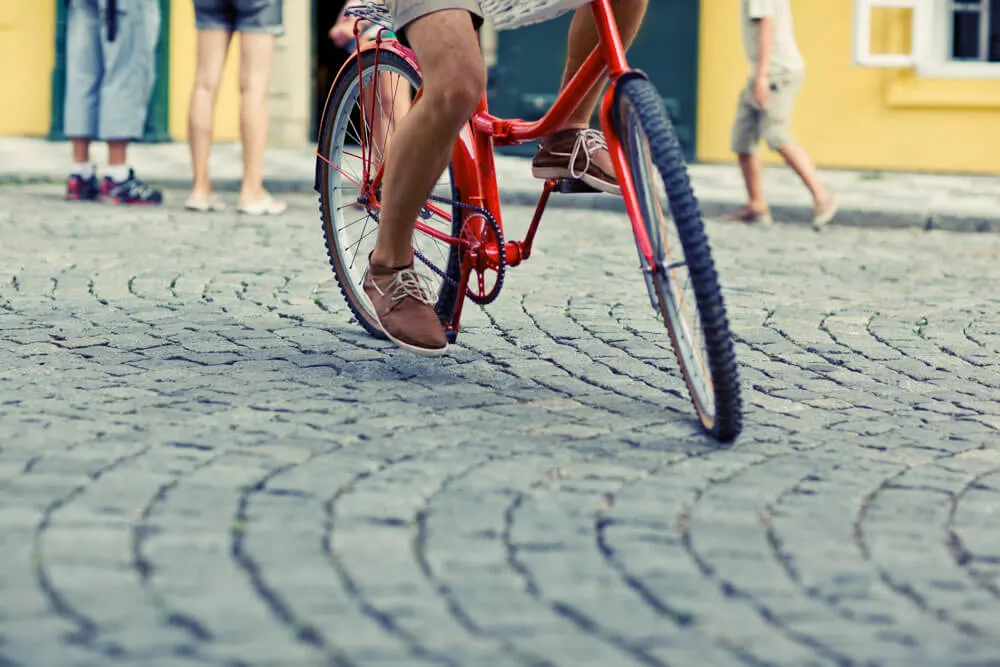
<point>668,157</point>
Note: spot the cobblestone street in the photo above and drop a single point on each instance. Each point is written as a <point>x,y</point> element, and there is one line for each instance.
<point>203,461</point>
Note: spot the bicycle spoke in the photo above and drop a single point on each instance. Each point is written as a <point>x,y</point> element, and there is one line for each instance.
<point>351,224</point>
<point>357,244</point>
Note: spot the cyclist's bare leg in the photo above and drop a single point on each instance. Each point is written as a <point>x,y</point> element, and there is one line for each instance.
<point>454,79</point>
<point>385,104</point>
<point>582,40</point>
<point>391,102</point>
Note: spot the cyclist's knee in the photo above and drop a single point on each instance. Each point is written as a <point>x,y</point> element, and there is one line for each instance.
<point>451,62</point>
<point>456,92</point>
<point>463,93</point>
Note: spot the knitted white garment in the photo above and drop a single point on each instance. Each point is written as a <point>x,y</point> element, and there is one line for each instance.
<point>510,14</point>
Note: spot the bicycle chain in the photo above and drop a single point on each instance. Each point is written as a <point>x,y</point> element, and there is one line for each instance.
<point>502,255</point>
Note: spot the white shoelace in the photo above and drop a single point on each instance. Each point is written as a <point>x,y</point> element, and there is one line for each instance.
<point>409,283</point>
<point>589,141</point>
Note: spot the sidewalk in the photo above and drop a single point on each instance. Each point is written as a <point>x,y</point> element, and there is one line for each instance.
<point>925,201</point>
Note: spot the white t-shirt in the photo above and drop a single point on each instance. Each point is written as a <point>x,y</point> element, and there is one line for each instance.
<point>785,56</point>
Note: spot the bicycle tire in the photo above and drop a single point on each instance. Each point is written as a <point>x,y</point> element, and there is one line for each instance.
<point>650,141</point>
<point>342,105</point>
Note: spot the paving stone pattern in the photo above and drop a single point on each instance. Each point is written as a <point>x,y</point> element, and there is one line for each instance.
<point>203,461</point>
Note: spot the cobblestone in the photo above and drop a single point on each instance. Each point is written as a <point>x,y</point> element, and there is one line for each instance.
<point>203,460</point>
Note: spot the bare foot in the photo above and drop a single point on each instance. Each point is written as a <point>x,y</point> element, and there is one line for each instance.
<point>751,215</point>
<point>824,212</point>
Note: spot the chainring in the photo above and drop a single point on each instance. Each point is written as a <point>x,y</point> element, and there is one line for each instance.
<point>493,229</point>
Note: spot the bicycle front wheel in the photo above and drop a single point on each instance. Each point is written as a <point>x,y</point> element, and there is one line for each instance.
<point>681,279</point>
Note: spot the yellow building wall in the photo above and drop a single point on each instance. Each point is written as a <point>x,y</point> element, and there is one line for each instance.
<point>27,56</point>
<point>183,61</point>
<point>848,116</point>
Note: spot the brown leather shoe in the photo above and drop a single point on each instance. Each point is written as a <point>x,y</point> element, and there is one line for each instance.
<point>577,154</point>
<point>404,306</point>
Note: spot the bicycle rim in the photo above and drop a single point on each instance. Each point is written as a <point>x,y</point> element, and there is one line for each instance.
<point>352,152</point>
<point>682,281</point>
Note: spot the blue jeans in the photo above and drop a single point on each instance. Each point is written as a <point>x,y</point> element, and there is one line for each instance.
<point>109,82</point>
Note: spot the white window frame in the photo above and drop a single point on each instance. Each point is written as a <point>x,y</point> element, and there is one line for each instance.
<point>930,42</point>
<point>863,34</point>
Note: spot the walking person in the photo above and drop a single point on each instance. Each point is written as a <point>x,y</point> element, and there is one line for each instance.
<point>765,108</point>
<point>110,72</point>
<point>259,23</point>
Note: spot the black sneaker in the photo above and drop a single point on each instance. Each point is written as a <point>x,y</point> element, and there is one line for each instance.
<point>82,188</point>
<point>130,191</point>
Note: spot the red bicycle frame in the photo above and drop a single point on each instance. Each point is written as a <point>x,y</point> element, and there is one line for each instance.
<point>474,166</point>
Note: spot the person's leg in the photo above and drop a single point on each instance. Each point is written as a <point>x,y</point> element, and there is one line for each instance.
<point>575,151</point>
<point>213,46</point>
<point>390,105</point>
<point>81,150</point>
<point>583,38</point>
<point>129,75</point>
<point>392,101</point>
<point>824,205</point>
<point>753,178</point>
<point>798,159</point>
<point>385,104</point>
<point>84,68</point>
<point>118,153</point>
<point>745,139</point>
<point>777,133</point>
<point>259,23</point>
<point>256,53</point>
<point>454,80</point>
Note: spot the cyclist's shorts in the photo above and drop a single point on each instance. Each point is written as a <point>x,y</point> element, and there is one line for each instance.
<point>405,12</point>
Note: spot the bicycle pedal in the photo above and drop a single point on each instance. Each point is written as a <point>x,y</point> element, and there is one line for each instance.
<point>573,186</point>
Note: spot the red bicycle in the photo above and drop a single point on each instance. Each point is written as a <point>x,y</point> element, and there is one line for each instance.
<point>459,233</point>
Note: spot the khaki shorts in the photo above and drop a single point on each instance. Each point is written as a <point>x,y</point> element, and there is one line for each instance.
<point>771,124</point>
<point>405,12</point>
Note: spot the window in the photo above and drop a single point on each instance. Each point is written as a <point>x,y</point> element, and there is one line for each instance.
<point>975,30</point>
<point>948,38</point>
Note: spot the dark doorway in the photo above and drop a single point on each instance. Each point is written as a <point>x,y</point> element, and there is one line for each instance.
<point>327,57</point>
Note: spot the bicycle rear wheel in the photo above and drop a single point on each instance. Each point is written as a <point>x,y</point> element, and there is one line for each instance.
<point>682,280</point>
<point>351,153</point>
